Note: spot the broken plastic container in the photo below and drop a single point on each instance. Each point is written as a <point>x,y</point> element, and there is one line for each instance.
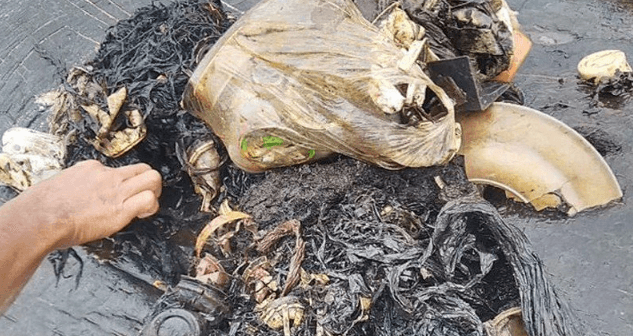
<point>535,158</point>
<point>507,323</point>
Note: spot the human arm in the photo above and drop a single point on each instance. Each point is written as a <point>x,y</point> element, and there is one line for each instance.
<point>85,202</point>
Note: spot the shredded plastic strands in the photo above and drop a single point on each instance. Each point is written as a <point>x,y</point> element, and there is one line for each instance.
<point>419,275</point>
<point>543,312</point>
<point>150,55</point>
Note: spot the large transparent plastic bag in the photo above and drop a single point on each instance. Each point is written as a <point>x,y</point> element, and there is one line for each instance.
<point>296,80</point>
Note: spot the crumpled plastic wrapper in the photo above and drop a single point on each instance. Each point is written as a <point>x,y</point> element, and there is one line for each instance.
<point>115,126</point>
<point>294,81</point>
<point>29,156</point>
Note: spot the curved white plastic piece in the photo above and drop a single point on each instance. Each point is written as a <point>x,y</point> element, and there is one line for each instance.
<point>603,65</point>
<point>535,158</point>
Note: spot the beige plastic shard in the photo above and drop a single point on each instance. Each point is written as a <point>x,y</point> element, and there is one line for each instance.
<point>535,158</point>
<point>603,65</point>
<point>507,323</point>
<point>203,168</point>
<point>67,107</point>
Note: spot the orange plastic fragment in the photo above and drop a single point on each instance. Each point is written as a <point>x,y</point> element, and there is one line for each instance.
<point>522,46</point>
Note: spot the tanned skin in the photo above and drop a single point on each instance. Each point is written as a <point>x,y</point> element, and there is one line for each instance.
<point>85,202</point>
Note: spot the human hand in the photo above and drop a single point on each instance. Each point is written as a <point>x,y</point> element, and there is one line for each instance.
<point>89,201</point>
<point>85,202</point>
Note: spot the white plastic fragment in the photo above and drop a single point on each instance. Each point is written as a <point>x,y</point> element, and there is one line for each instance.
<point>603,65</point>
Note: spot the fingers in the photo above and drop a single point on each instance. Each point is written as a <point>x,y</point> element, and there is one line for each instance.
<point>141,205</point>
<point>132,170</point>
<point>137,186</point>
<point>147,180</point>
<point>87,163</point>
<point>142,191</point>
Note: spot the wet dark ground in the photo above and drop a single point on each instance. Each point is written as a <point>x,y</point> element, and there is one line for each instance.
<point>589,256</point>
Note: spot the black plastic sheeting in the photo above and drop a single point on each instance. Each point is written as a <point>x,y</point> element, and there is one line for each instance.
<point>429,268</point>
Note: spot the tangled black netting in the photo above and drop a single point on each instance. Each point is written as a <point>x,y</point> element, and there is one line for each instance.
<point>383,237</point>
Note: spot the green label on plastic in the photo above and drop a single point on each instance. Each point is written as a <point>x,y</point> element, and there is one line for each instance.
<point>272,141</point>
<point>244,145</point>
<point>311,153</point>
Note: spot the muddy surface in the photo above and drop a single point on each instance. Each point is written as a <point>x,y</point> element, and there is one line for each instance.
<point>588,256</point>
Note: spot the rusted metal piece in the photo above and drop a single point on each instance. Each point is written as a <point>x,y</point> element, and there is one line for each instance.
<point>536,159</point>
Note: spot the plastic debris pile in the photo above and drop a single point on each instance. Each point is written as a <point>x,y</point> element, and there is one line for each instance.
<point>331,248</point>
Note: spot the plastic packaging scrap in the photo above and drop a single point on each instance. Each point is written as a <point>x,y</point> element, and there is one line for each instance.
<point>478,44</point>
<point>508,323</point>
<point>29,156</point>
<point>603,65</point>
<point>554,167</point>
<point>116,126</point>
<point>203,164</point>
<point>190,308</point>
<point>341,86</point>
